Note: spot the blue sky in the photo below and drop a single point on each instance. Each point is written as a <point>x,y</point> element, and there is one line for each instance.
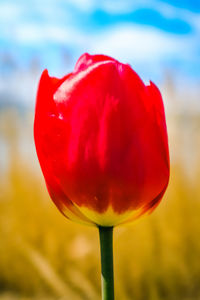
<point>153,36</point>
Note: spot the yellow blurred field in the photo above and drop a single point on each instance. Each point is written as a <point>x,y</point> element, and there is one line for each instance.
<point>45,256</point>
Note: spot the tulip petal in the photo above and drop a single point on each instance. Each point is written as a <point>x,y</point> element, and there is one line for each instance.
<point>44,108</point>
<point>46,89</point>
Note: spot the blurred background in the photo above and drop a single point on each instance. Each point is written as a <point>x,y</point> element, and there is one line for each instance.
<point>43,255</point>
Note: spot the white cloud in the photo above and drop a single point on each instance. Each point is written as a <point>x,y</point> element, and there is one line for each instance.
<point>127,42</point>
<point>170,11</point>
<point>35,33</point>
<point>83,5</point>
<point>165,9</point>
<point>9,11</point>
<point>118,6</point>
<point>55,22</point>
<point>138,43</point>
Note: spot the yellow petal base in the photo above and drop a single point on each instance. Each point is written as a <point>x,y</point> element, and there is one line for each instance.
<point>109,217</point>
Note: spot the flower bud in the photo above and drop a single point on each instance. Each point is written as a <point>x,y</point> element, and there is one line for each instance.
<point>101,140</point>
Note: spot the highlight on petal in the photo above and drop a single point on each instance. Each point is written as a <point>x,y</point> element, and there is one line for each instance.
<point>47,86</point>
<point>87,60</point>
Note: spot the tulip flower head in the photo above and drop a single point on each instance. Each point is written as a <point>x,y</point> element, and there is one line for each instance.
<point>101,140</point>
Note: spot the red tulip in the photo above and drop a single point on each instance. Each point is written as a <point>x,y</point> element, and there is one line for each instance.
<point>101,140</point>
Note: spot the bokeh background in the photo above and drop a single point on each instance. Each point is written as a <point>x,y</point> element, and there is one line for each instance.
<point>43,255</point>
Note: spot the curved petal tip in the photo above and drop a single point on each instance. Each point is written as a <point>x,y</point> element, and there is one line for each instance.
<point>85,60</point>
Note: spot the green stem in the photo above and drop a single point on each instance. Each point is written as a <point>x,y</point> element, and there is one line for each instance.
<point>106,245</point>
